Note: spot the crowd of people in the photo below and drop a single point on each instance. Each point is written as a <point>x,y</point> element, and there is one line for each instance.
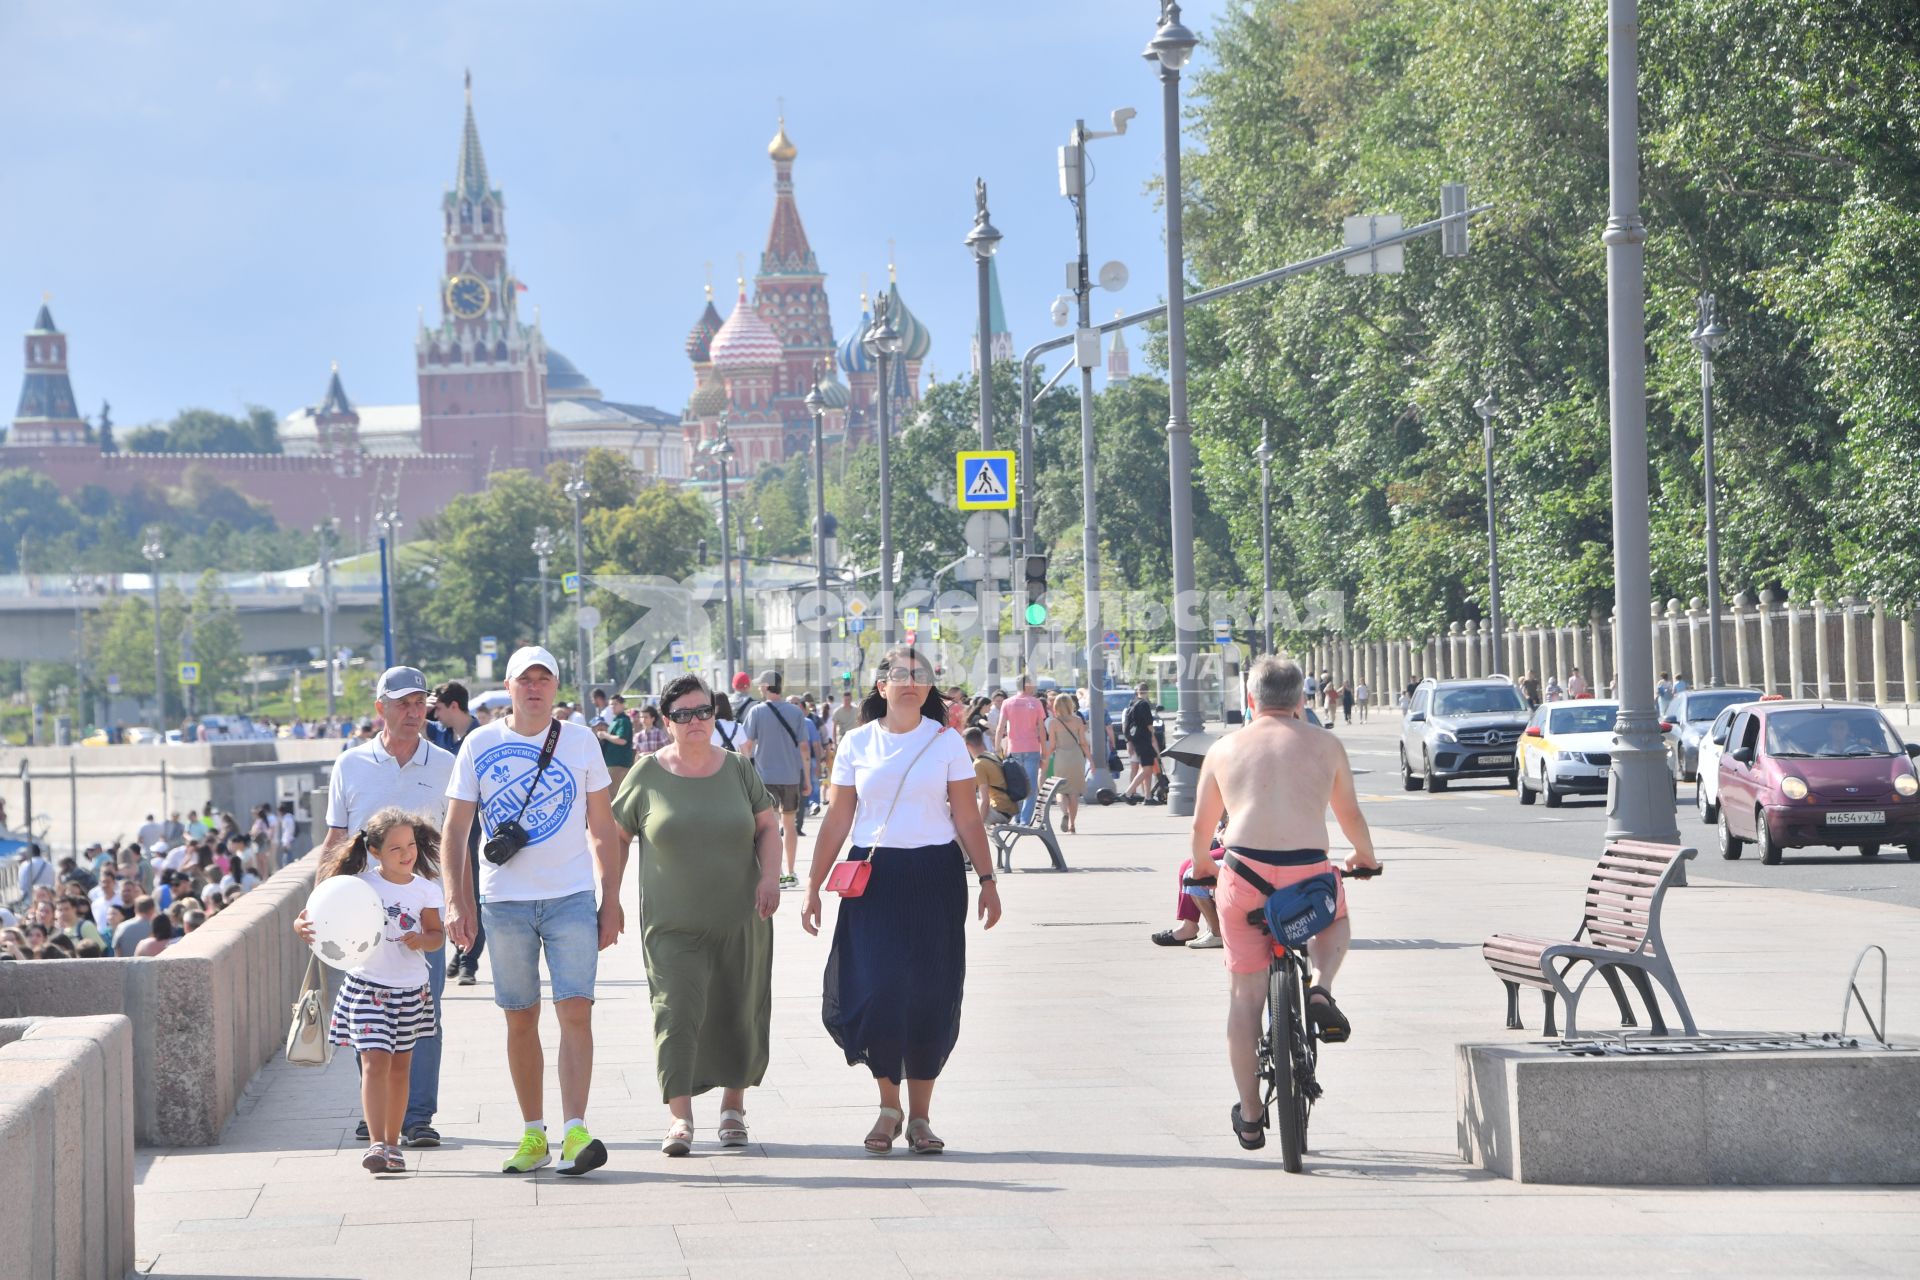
<point>136,897</point>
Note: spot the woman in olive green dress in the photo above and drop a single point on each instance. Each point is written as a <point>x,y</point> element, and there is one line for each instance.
<point>709,885</point>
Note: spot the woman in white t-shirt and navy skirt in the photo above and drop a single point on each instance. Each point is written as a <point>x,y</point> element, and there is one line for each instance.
<point>903,788</point>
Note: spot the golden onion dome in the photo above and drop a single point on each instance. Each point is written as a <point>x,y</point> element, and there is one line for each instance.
<point>782,148</point>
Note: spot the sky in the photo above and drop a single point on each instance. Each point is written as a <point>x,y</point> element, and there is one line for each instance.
<point>222,198</point>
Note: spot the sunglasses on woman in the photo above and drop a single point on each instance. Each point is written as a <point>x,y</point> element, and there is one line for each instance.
<point>687,715</point>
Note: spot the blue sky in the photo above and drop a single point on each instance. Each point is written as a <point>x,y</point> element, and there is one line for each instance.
<point>222,198</point>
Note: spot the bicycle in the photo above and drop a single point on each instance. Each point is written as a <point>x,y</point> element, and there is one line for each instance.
<point>1289,1094</point>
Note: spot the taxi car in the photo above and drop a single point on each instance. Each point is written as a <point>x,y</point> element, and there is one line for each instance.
<point>1566,749</point>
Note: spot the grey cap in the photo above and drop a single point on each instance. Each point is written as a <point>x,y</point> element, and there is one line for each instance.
<point>398,682</point>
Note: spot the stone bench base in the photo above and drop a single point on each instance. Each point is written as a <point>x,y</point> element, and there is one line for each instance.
<point>1533,1113</point>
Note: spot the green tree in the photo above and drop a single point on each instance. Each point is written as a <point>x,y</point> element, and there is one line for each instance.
<point>205,431</point>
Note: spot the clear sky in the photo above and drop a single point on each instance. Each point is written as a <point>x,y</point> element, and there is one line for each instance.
<point>223,197</point>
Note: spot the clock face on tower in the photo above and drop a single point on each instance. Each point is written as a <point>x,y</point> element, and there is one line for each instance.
<point>467,296</point>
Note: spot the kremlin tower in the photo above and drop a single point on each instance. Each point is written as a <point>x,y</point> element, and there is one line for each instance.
<point>1119,360</point>
<point>46,414</point>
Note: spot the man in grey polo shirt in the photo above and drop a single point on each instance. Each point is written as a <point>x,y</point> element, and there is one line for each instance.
<point>398,767</point>
<point>776,739</point>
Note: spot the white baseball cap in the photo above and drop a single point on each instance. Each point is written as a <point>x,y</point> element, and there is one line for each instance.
<point>531,655</point>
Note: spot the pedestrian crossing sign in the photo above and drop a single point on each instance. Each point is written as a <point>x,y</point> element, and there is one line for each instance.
<point>570,584</point>
<point>189,673</point>
<point>985,480</point>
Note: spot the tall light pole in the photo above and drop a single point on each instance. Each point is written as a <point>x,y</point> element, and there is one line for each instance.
<point>1171,46</point>
<point>883,343</point>
<point>817,410</point>
<point>984,240</point>
<point>1640,796</point>
<point>576,489</point>
<point>1487,406</point>
<point>325,532</point>
<point>1265,454</point>
<point>154,554</point>
<point>721,450</point>
<point>542,551</point>
<point>389,522</point>
<point>1707,339</point>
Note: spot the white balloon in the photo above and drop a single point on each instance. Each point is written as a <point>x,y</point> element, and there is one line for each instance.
<point>348,920</point>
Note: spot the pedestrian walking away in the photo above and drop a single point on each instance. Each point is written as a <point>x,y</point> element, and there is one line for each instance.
<point>904,791</point>
<point>774,735</point>
<point>1067,751</point>
<point>1274,781</point>
<point>1019,737</point>
<point>614,729</point>
<point>709,885</point>
<point>449,723</point>
<point>1136,726</point>
<point>540,789</point>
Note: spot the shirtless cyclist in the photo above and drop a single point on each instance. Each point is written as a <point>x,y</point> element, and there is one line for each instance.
<point>1274,779</point>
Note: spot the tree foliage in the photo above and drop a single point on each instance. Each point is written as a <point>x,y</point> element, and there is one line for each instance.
<point>205,431</point>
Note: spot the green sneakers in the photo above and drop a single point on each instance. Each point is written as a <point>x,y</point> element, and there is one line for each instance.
<point>531,1155</point>
<point>581,1152</point>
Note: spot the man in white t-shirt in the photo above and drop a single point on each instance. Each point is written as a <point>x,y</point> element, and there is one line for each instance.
<point>539,897</point>
<point>398,768</point>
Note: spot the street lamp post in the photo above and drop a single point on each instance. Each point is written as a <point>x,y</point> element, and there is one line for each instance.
<point>325,532</point>
<point>576,489</point>
<point>542,549</point>
<point>1707,339</point>
<point>1640,795</point>
<point>1487,406</point>
<point>1171,46</point>
<point>984,240</point>
<point>1265,454</point>
<point>883,343</point>
<point>389,522</point>
<point>817,410</point>
<point>154,554</point>
<point>720,448</point>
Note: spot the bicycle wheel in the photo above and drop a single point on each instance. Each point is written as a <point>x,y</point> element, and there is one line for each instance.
<point>1290,1048</point>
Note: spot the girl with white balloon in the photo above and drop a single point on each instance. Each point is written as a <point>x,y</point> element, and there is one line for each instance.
<point>375,912</point>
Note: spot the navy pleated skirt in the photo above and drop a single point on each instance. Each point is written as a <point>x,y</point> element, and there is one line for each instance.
<point>899,963</point>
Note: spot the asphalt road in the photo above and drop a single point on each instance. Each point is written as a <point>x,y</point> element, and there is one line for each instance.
<point>1490,813</point>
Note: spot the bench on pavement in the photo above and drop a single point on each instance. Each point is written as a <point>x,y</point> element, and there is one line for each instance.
<point>1004,834</point>
<point>1621,931</point>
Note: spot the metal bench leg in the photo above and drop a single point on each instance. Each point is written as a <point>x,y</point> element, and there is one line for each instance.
<point>1053,849</point>
<point>1612,974</point>
<point>1548,997</point>
<point>1664,975</point>
<point>1513,1006</point>
<point>1645,988</point>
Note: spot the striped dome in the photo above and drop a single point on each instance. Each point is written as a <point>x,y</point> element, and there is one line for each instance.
<point>710,400</point>
<point>853,357</point>
<point>915,339</point>
<point>834,392</point>
<point>700,337</point>
<point>745,341</point>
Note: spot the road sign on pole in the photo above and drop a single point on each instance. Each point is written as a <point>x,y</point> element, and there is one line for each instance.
<point>490,645</point>
<point>570,584</point>
<point>910,619</point>
<point>1111,639</point>
<point>189,673</point>
<point>1223,631</point>
<point>984,480</point>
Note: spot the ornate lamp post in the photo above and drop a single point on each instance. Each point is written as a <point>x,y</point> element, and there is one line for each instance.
<point>721,450</point>
<point>154,554</point>
<point>984,240</point>
<point>326,532</point>
<point>1708,338</point>
<point>817,410</point>
<point>1265,454</point>
<point>576,489</point>
<point>542,551</point>
<point>1487,406</point>
<point>883,343</point>
<point>389,522</point>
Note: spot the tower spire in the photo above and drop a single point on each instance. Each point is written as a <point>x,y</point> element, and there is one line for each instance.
<point>471,180</point>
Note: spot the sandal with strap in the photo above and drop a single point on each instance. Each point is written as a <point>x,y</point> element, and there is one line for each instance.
<point>679,1139</point>
<point>733,1128</point>
<point>375,1161</point>
<point>880,1146</point>
<point>396,1161</point>
<point>1170,938</point>
<point>1251,1133</point>
<point>1324,1016</point>
<point>920,1139</point>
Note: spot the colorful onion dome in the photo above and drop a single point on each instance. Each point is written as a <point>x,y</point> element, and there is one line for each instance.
<point>914,338</point>
<point>834,392</point>
<point>700,337</point>
<point>852,356</point>
<point>710,400</point>
<point>746,340</point>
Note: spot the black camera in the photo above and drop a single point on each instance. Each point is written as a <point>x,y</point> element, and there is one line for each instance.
<point>508,839</point>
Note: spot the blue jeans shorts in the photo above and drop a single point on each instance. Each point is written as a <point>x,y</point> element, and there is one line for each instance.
<point>569,930</point>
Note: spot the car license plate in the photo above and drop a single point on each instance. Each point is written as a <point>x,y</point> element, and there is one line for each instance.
<point>1858,818</point>
<point>1490,761</point>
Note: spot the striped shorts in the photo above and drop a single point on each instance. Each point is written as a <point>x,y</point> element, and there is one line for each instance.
<point>368,1016</point>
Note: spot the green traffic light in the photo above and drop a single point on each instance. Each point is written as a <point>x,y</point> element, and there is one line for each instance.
<point>1036,615</point>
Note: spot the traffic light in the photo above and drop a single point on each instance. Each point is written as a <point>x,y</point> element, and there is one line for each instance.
<point>1034,570</point>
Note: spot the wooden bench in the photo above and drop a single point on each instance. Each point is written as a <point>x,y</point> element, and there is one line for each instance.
<point>1621,928</point>
<point>1004,834</point>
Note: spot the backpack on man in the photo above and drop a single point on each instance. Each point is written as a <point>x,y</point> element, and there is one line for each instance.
<point>1018,785</point>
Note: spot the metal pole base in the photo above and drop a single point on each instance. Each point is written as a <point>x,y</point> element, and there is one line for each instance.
<point>1640,794</point>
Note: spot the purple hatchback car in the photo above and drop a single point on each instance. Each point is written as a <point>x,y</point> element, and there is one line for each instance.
<point>1797,774</point>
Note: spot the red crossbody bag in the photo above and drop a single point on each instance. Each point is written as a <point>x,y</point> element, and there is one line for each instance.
<point>850,875</point>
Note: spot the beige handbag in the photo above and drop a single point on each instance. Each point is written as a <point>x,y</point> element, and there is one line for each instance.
<point>307,1042</point>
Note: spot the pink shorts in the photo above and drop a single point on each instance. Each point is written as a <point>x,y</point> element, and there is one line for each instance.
<point>1248,948</point>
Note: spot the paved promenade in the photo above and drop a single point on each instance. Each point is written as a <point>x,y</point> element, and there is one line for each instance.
<point>1085,1111</point>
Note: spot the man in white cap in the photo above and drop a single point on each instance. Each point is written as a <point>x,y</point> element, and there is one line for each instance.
<point>541,790</point>
<point>398,767</point>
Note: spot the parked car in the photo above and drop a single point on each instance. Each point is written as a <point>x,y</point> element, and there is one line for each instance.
<point>1706,777</point>
<point>1800,774</point>
<point>1460,729</point>
<point>1567,748</point>
<point>1687,720</point>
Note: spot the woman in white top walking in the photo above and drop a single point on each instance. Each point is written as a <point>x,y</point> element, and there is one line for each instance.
<point>903,788</point>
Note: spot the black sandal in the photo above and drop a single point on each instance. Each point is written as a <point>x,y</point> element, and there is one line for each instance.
<point>1252,1136</point>
<point>1325,1018</point>
<point>1166,938</point>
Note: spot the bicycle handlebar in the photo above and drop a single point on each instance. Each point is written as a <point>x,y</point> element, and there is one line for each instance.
<point>1361,873</point>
